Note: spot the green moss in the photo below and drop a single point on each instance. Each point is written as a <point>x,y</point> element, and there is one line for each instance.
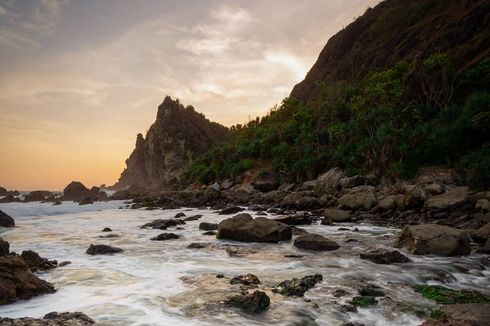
<point>443,295</point>
<point>363,301</point>
<point>437,314</point>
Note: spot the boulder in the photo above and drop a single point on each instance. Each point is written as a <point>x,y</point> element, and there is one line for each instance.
<point>18,283</point>
<point>75,191</point>
<point>6,221</point>
<point>435,188</point>
<point>337,215</point>
<point>427,239</point>
<point>482,234</point>
<point>317,242</point>
<point>485,249</point>
<point>247,279</point>
<point>384,256</point>
<point>37,195</point>
<point>230,210</point>
<point>327,221</point>
<point>206,226</point>
<point>86,201</point>
<point>4,247</point>
<point>415,196</point>
<point>297,219</point>
<point>36,262</point>
<point>482,205</point>
<point>351,182</point>
<point>474,314</point>
<point>163,224</point>
<point>255,302</point>
<point>165,236</point>
<point>358,197</point>
<point>455,198</point>
<point>192,218</point>
<point>430,175</point>
<point>243,227</point>
<point>297,287</point>
<point>387,203</point>
<point>329,181</point>
<point>266,184</point>
<point>51,319</point>
<point>106,229</point>
<point>102,250</point>
<point>179,215</point>
<point>3,191</point>
<point>10,199</point>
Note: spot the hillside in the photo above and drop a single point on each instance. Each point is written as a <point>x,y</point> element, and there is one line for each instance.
<point>403,86</point>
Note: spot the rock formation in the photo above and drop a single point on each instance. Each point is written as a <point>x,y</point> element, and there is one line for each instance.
<point>178,136</point>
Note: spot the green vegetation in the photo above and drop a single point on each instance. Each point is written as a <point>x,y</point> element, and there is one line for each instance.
<point>363,301</point>
<point>437,314</point>
<point>390,123</point>
<point>443,295</point>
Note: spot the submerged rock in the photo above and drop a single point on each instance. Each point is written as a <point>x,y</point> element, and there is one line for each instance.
<point>6,221</point>
<point>192,218</point>
<point>312,241</point>
<point>426,239</point>
<point>198,245</point>
<point>255,302</point>
<point>384,256</point>
<point>179,215</point>
<point>243,227</point>
<point>51,319</point>
<point>163,224</point>
<point>297,287</point>
<point>208,226</point>
<point>107,229</point>
<point>17,282</point>
<point>247,279</point>
<point>102,250</point>
<point>36,262</point>
<point>230,210</point>
<point>165,236</point>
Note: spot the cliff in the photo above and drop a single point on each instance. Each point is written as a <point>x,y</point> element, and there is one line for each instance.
<point>177,137</point>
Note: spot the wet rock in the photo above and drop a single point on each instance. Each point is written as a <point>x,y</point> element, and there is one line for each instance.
<point>86,201</point>
<point>51,319</point>
<point>163,224</point>
<point>210,233</point>
<point>220,276</point>
<point>255,302</point>
<point>426,239</point>
<point>103,250</point>
<point>75,191</point>
<point>165,236</point>
<point>257,208</point>
<point>106,229</point>
<point>230,210</point>
<point>3,191</point>
<point>337,215</point>
<point>208,226</point>
<point>297,287</point>
<point>6,221</point>
<point>243,227</point>
<point>198,245</point>
<point>179,215</point>
<point>56,203</point>
<point>4,247</point>
<point>297,219</point>
<point>449,200</point>
<point>37,195</point>
<point>192,218</point>
<point>64,263</point>
<point>384,256</point>
<point>327,221</point>
<point>235,251</point>
<point>371,290</point>
<point>17,282</point>
<point>363,301</point>
<point>36,262</point>
<point>109,236</point>
<point>312,241</point>
<point>462,315</point>
<point>247,279</point>
<point>485,249</point>
<point>298,231</point>
<point>338,293</point>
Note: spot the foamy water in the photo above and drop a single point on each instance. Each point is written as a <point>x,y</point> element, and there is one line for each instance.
<point>165,283</point>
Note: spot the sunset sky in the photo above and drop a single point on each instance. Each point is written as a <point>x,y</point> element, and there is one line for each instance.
<point>79,79</point>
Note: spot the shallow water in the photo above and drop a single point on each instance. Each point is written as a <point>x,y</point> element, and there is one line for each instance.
<point>165,283</point>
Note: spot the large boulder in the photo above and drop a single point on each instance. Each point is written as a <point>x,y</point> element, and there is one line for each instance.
<point>36,262</point>
<point>337,215</point>
<point>362,197</point>
<point>75,191</point>
<point>449,200</point>
<point>255,302</point>
<point>427,239</point>
<point>37,195</point>
<point>329,181</point>
<point>350,182</point>
<point>243,227</point>
<point>6,221</point>
<point>317,242</point>
<point>18,283</point>
<point>51,319</point>
<point>384,256</point>
<point>4,247</point>
<point>475,314</point>
<point>482,234</point>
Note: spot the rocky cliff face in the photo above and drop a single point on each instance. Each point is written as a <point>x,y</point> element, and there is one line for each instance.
<point>398,30</point>
<point>178,136</point>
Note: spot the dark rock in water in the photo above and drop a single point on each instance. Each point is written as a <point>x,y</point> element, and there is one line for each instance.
<point>6,221</point>
<point>180,228</point>
<point>237,251</point>
<point>426,239</point>
<point>338,215</point>
<point>476,314</point>
<point>165,236</point>
<point>198,245</point>
<point>210,233</point>
<point>179,215</point>
<point>220,276</point>
<point>51,319</point>
<point>107,229</point>
<point>18,283</point>
<point>298,219</point>
<point>247,279</point>
<point>297,287</point>
<point>193,218</point>
<point>75,191</point>
<point>10,199</point>
<point>3,191</point>
<point>293,256</point>
<point>208,226</point>
<point>255,302</point>
<point>86,201</point>
<point>37,195</point>
<point>109,236</point>
<point>363,301</point>
<point>384,256</point>
<point>371,290</point>
<point>353,323</point>
<point>163,224</point>
<point>256,208</point>
<point>102,250</point>
<point>482,234</point>
<point>243,227</point>
<point>56,203</point>
<point>340,293</point>
<point>64,263</point>
<point>230,210</point>
<point>36,262</point>
<point>327,221</point>
<point>485,249</point>
<point>312,241</point>
<point>298,231</point>
<point>4,247</point>
<point>343,229</point>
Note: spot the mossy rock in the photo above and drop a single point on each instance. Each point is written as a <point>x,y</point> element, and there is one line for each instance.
<point>443,295</point>
<point>437,314</point>
<point>363,301</point>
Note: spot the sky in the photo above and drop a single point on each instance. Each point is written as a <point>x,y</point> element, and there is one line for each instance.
<point>80,78</point>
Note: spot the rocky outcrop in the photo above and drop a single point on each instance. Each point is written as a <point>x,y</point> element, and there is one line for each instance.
<point>17,282</point>
<point>384,256</point>
<point>427,239</point>
<point>6,221</point>
<point>244,228</point>
<point>76,191</point>
<point>247,279</point>
<point>36,262</point>
<point>178,136</point>
<point>37,195</point>
<point>316,242</point>
<point>51,319</point>
<point>255,302</point>
<point>337,215</point>
<point>298,287</point>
